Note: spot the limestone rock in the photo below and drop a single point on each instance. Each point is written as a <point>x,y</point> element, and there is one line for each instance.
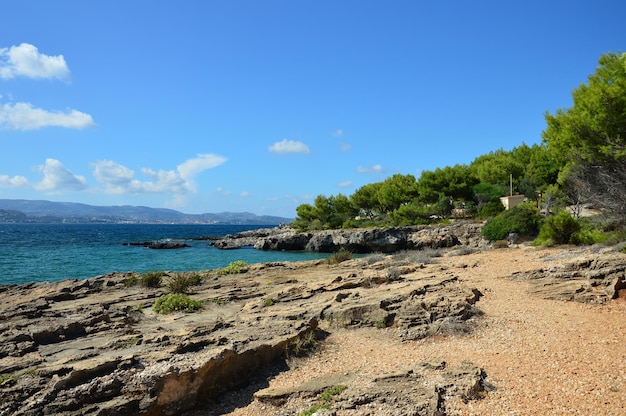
<point>95,346</point>
<point>369,240</point>
<point>590,279</point>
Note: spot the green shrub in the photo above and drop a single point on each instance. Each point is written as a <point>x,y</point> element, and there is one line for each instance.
<point>131,281</point>
<point>523,219</point>
<point>590,233</point>
<point>234,267</point>
<point>562,228</point>
<point>558,229</point>
<point>329,394</point>
<point>152,278</point>
<point>339,256</point>
<point>327,398</point>
<point>491,209</point>
<point>176,302</point>
<point>181,282</point>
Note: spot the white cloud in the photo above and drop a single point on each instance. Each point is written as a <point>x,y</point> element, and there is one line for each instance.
<point>244,194</point>
<point>119,179</point>
<point>23,116</point>
<point>13,182</point>
<point>57,178</point>
<point>161,181</point>
<point>222,191</point>
<point>370,169</point>
<point>192,167</point>
<point>25,60</point>
<point>344,184</point>
<point>344,146</point>
<point>337,133</point>
<point>289,146</point>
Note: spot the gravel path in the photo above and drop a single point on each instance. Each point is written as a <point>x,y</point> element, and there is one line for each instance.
<point>544,357</point>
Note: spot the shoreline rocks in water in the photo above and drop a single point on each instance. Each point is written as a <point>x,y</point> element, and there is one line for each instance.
<point>159,244</point>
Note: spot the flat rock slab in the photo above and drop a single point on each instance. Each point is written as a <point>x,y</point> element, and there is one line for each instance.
<point>590,279</point>
<point>96,346</point>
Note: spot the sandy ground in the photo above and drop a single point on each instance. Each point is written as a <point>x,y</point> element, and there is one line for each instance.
<point>544,357</point>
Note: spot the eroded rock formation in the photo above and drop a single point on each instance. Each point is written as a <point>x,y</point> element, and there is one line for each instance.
<point>96,346</point>
<point>370,240</point>
<point>592,279</point>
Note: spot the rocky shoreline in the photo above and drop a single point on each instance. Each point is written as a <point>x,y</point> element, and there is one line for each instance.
<point>367,240</point>
<point>96,346</point>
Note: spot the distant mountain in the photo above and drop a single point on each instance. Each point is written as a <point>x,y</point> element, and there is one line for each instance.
<point>21,210</point>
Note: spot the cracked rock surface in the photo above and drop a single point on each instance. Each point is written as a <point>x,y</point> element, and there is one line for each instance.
<point>96,346</point>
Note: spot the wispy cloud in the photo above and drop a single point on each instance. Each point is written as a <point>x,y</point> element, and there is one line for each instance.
<point>344,146</point>
<point>192,167</point>
<point>119,179</point>
<point>370,169</point>
<point>289,146</point>
<point>23,116</point>
<point>25,60</point>
<point>58,179</point>
<point>344,184</point>
<point>222,191</point>
<point>337,133</point>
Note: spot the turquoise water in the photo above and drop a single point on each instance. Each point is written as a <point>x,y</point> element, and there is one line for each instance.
<point>49,252</point>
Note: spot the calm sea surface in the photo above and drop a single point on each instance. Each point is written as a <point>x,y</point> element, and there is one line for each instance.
<point>49,252</point>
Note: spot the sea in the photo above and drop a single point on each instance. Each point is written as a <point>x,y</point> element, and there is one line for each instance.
<point>51,252</point>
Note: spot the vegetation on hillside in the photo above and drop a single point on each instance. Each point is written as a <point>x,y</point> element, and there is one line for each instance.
<point>580,162</point>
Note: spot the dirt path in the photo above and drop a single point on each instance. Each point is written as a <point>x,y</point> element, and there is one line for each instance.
<point>545,357</point>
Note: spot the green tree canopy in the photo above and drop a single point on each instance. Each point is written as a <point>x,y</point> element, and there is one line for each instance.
<point>497,167</point>
<point>454,181</point>
<point>366,199</point>
<point>594,129</point>
<point>396,191</point>
<point>591,136</point>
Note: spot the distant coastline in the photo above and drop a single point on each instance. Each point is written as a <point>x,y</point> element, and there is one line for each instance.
<point>40,211</point>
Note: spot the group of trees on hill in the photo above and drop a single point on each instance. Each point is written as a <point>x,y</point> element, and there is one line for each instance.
<point>580,161</point>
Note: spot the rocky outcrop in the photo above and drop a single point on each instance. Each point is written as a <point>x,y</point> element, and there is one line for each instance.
<point>421,390</point>
<point>591,279</point>
<point>159,244</point>
<point>96,346</point>
<point>369,240</point>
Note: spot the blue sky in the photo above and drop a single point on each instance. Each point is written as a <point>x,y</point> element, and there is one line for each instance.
<point>259,106</point>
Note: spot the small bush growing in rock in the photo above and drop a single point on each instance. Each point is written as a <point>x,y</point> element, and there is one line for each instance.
<point>339,256</point>
<point>131,281</point>
<point>373,258</point>
<point>302,345</point>
<point>234,267</point>
<point>327,398</point>
<point>176,302</point>
<point>181,282</point>
<point>153,278</point>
